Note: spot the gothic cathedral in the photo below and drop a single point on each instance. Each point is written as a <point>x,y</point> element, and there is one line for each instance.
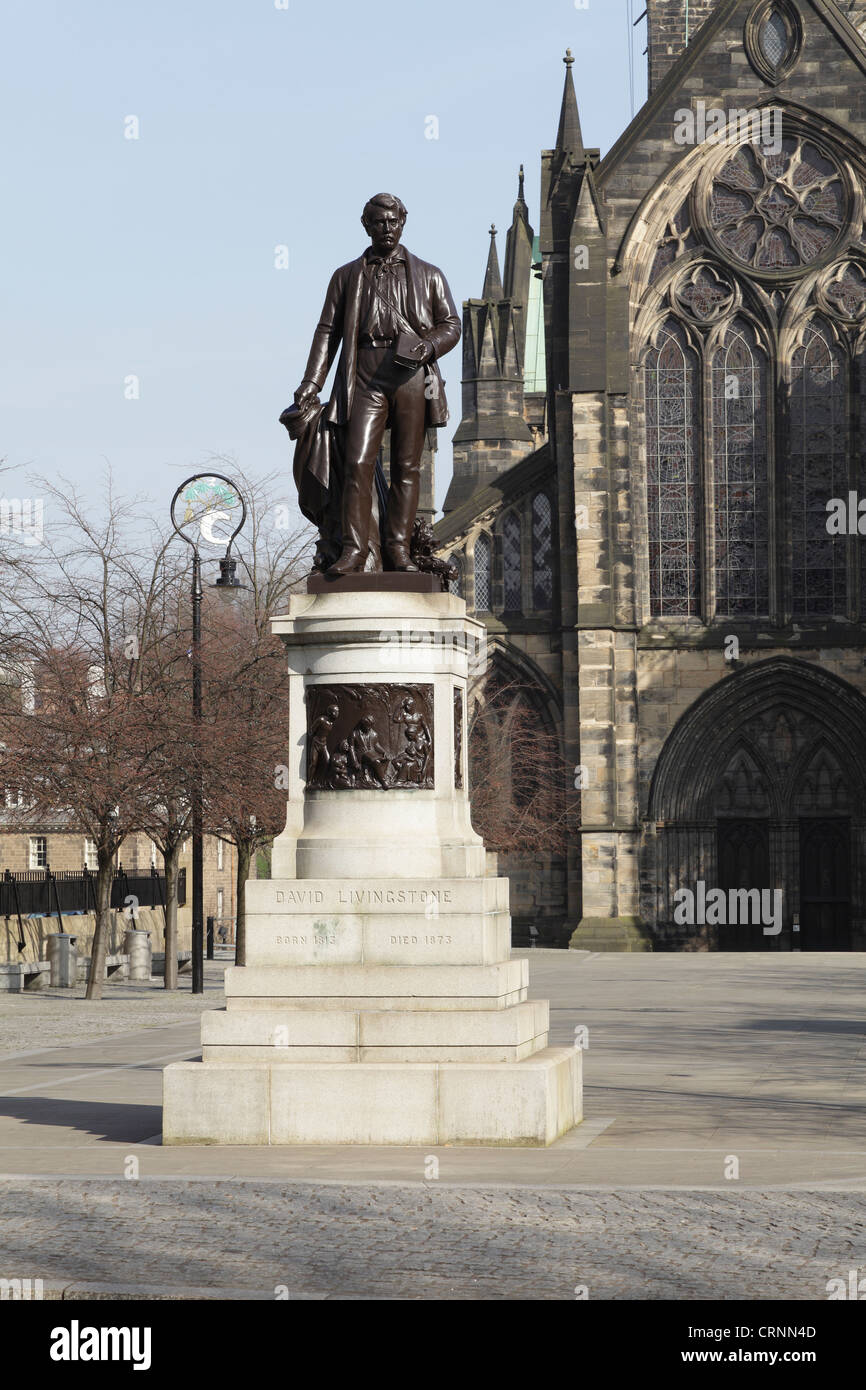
<point>658,505</point>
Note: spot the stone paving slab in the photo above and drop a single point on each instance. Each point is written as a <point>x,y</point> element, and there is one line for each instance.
<point>691,1060</point>
<point>430,1241</point>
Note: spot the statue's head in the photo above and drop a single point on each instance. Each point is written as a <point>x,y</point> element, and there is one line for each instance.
<point>384,218</point>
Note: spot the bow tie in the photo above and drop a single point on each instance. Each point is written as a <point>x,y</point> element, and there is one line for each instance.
<point>382,264</point>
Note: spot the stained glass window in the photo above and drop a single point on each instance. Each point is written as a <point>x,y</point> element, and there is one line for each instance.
<point>819,472</point>
<point>774,210</point>
<point>542,546</point>
<point>861,470</point>
<point>671,384</point>
<point>774,39</point>
<point>705,295</point>
<point>846,292</point>
<point>455,586</point>
<point>739,452</point>
<point>482,575</point>
<point>511,562</point>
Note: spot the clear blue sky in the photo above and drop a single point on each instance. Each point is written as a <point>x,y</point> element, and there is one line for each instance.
<point>258,126</point>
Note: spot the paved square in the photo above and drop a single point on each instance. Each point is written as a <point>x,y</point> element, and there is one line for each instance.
<point>698,1067</point>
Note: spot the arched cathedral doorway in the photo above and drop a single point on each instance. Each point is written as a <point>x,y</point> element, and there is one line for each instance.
<point>762,786</point>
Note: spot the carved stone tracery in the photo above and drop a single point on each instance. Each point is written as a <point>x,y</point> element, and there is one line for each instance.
<point>776,211</point>
<point>704,294</point>
<point>841,292</point>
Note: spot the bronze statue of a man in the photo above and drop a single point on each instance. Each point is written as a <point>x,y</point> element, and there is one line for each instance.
<point>395,318</point>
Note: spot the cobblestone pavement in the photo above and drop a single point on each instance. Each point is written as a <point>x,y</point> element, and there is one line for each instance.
<point>57,1017</point>
<point>430,1241</point>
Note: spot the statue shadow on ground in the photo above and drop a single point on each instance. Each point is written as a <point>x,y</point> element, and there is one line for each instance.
<point>115,1122</point>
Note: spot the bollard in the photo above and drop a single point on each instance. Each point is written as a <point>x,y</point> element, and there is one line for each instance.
<point>136,945</point>
<point>63,959</point>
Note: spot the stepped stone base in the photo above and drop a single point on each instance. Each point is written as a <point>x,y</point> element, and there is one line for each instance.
<point>379,1003</point>
<point>530,1102</point>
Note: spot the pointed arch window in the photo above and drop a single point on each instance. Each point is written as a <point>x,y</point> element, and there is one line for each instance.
<point>774,38</point>
<point>455,586</point>
<point>511,569</point>
<point>482,575</point>
<point>740,474</point>
<point>819,472</point>
<point>542,551</point>
<point>671,394</point>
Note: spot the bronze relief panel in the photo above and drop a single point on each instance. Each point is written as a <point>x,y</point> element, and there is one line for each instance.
<point>370,737</point>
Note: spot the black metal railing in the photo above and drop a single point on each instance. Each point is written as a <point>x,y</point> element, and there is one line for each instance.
<point>43,893</point>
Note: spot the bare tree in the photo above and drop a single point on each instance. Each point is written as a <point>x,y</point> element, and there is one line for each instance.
<point>98,624</point>
<point>521,785</point>
<point>87,621</point>
<point>245,678</point>
<point>74,743</point>
<point>245,743</point>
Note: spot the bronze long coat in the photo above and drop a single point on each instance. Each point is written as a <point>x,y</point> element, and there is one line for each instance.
<point>429,309</point>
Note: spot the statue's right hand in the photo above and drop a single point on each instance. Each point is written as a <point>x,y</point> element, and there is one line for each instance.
<point>306,394</point>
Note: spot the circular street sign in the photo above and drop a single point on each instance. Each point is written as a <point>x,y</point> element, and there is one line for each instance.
<point>208,509</point>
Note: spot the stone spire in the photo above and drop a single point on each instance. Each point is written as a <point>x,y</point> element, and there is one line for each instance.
<point>493,433</point>
<point>562,167</point>
<point>518,263</point>
<point>569,140</point>
<point>492,278</point>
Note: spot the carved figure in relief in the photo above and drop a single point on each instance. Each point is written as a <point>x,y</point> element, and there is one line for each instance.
<point>407,714</point>
<point>367,758</point>
<point>320,758</point>
<point>408,766</point>
<point>340,776</point>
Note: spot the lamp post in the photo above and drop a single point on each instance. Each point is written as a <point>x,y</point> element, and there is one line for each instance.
<point>209,499</point>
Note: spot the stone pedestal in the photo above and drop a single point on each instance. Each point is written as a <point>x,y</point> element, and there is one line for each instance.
<point>379,1003</point>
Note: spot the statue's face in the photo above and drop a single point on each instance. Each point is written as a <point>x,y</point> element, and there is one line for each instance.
<point>385,227</point>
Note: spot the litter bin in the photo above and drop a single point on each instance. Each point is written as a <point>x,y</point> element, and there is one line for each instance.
<point>63,959</point>
<point>136,945</point>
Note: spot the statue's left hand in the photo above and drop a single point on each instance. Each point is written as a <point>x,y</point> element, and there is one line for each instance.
<point>306,394</point>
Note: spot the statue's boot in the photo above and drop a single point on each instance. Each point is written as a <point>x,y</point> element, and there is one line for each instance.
<point>356,508</point>
<point>350,562</point>
<point>402,506</point>
<point>400,559</point>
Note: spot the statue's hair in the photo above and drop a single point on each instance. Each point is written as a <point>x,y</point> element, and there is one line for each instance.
<point>384,200</point>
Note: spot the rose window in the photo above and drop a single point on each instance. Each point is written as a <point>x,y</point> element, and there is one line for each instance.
<point>778,211</point>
